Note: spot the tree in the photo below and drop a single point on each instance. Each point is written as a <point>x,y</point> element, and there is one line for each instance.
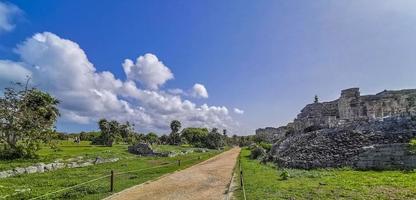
<point>316,100</point>
<point>224,132</point>
<point>27,117</point>
<point>164,139</point>
<point>214,130</point>
<point>214,140</point>
<point>234,140</point>
<point>113,131</point>
<point>89,136</point>
<point>174,137</point>
<point>175,126</point>
<point>152,138</point>
<point>126,131</point>
<point>137,137</point>
<point>195,136</point>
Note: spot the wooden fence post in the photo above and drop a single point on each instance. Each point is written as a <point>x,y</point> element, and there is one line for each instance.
<point>179,162</point>
<point>112,181</point>
<point>241,178</point>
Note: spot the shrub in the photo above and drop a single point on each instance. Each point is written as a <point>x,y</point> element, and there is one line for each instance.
<point>266,146</point>
<point>257,152</point>
<point>412,145</point>
<point>284,175</point>
<point>81,191</point>
<point>214,140</point>
<point>195,136</point>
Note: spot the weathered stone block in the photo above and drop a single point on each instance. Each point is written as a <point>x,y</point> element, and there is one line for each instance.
<point>31,169</point>
<point>141,149</point>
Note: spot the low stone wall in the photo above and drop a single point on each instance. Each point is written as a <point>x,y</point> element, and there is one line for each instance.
<point>41,167</point>
<point>386,156</point>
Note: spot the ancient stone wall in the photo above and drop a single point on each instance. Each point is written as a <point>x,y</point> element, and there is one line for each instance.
<point>322,115</point>
<point>341,146</point>
<point>270,134</point>
<point>386,156</point>
<point>333,134</point>
<point>351,106</point>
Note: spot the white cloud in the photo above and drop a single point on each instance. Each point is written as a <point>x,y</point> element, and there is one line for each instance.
<point>8,12</point>
<point>238,111</point>
<point>12,72</point>
<point>62,68</point>
<point>148,70</point>
<point>199,90</point>
<point>176,91</point>
<point>74,117</point>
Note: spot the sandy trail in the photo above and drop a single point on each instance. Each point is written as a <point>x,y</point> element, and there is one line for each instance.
<point>206,180</point>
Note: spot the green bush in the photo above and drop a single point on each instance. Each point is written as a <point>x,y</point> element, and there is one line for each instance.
<point>200,137</point>
<point>257,152</point>
<point>412,145</point>
<point>265,146</point>
<point>81,191</point>
<point>284,175</point>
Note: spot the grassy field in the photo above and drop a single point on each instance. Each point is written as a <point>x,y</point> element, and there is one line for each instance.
<point>264,182</point>
<point>33,185</point>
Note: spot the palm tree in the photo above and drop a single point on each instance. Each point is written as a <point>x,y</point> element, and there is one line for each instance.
<point>174,137</point>
<point>175,125</point>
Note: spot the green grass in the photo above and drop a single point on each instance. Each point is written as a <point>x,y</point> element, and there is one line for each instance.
<point>264,182</point>
<point>69,149</point>
<point>32,185</point>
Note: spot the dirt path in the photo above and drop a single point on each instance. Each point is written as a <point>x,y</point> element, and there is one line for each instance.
<point>206,180</point>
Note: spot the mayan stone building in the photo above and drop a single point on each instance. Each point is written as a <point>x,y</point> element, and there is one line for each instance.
<point>351,106</point>
<point>336,133</point>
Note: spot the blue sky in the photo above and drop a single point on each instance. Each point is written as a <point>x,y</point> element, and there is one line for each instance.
<point>267,58</point>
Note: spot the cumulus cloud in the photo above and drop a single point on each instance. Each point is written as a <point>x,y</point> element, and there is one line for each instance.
<point>176,91</point>
<point>148,70</point>
<point>199,90</point>
<point>12,72</point>
<point>62,68</point>
<point>8,12</point>
<point>238,111</point>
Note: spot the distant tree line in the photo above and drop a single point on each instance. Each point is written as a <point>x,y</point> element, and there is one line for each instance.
<point>114,132</point>
<point>28,116</point>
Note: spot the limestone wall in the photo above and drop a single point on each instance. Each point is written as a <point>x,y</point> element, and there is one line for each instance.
<point>349,104</point>
<point>270,134</point>
<point>352,106</point>
<point>386,156</point>
<point>335,133</point>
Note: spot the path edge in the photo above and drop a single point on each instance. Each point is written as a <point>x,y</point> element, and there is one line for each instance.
<point>160,177</point>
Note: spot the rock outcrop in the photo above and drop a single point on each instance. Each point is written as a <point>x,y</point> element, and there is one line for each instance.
<point>143,149</point>
<point>336,133</point>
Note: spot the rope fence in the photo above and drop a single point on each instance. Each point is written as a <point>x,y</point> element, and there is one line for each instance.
<point>241,178</point>
<point>104,187</point>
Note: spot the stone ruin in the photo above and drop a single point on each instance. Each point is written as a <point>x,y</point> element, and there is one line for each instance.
<point>58,164</point>
<point>142,149</point>
<point>145,149</point>
<point>365,132</point>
